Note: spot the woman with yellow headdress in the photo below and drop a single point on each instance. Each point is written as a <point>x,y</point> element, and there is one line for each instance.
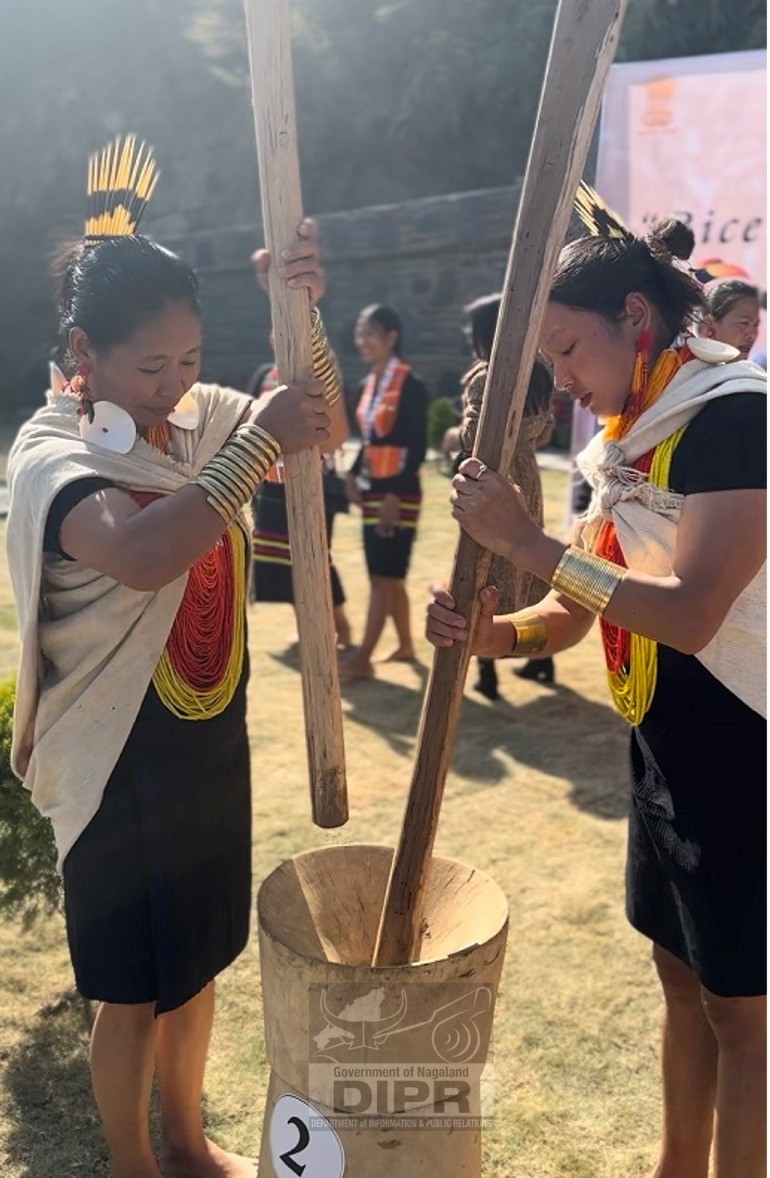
<point>128,552</point>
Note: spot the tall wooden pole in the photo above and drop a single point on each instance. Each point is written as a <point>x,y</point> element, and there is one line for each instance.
<point>272,87</point>
<point>583,46</point>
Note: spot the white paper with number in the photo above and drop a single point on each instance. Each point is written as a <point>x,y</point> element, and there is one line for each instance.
<point>302,1142</point>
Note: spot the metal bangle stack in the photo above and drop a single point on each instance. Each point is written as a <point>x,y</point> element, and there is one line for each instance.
<point>232,476</point>
<point>325,367</point>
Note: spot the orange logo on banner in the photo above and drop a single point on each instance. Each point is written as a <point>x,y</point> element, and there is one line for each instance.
<point>718,268</point>
<point>671,144</point>
<point>659,94</point>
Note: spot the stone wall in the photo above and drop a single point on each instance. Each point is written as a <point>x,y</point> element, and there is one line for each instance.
<point>427,258</point>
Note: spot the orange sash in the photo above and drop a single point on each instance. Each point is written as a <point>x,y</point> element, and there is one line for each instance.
<point>377,415</point>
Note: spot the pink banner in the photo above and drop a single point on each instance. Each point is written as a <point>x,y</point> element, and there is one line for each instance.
<point>687,136</point>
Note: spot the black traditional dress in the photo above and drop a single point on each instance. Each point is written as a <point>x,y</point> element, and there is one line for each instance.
<point>697,862</point>
<point>157,887</point>
<point>392,415</point>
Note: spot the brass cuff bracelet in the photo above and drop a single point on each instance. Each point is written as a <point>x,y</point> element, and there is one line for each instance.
<point>587,579</point>
<point>530,632</point>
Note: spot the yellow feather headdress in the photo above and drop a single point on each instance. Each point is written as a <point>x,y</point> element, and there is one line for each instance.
<point>599,219</point>
<point>121,179</point>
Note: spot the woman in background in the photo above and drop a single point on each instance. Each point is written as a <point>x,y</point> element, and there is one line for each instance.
<point>385,482</point>
<point>271,578</point>
<point>731,314</point>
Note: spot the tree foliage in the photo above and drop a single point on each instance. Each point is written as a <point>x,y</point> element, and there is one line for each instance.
<point>29,883</point>
<point>405,98</point>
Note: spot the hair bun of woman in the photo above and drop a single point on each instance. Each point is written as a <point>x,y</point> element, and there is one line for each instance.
<point>672,236</point>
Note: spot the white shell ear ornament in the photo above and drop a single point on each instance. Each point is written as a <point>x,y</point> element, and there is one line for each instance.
<point>57,381</point>
<point>712,351</point>
<point>185,414</point>
<point>104,424</point>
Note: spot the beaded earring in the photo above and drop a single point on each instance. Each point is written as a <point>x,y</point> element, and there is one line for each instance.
<point>79,387</point>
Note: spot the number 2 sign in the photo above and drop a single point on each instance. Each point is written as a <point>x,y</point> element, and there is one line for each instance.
<point>302,1142</point>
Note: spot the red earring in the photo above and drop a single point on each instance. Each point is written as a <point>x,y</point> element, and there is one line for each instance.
<point>640,374</point>
<point>79,387</point>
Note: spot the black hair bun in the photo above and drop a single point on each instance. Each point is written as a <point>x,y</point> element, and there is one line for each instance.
<point>671,236</point>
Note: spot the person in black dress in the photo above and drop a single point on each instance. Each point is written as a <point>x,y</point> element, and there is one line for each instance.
<point>271,578</point>
<point>516,589</point>
<point>129,556</point>
<point>384,482</point>
<point>672,558</point>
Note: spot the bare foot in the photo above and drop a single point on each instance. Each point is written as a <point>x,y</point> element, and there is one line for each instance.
<point>355,668</point>
<point>135,1169</point>
<point>401,655</point>
<point>665,1170</point>
<point>213,1162</point>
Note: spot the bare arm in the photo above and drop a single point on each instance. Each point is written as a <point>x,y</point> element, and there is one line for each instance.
<point>148,548</point>
<point>144,548</point>
<point>721,545</point>
<point>494,637</point>
<point>339,427</point>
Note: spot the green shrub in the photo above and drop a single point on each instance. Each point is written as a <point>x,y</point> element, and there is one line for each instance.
<point>442,415</point>
<point>29,882</point>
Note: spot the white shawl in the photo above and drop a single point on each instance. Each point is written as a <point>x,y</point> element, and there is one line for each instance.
<point>646,517</point>
<point>89,645</point>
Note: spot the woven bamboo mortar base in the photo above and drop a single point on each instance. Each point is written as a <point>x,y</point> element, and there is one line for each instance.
<point>327,1009</point>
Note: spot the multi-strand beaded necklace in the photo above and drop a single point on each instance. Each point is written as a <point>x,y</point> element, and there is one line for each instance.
<point>632,660</point>
<point>200,668</point>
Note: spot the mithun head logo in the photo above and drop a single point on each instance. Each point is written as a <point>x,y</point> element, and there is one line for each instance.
<point>454,1032</point>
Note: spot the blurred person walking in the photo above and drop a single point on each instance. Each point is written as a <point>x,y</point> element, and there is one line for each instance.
<point>271,578</point>
<point>517,588</point>
<point>384,482</point>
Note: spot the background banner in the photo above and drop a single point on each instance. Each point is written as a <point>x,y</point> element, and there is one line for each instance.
<point>687,136</point>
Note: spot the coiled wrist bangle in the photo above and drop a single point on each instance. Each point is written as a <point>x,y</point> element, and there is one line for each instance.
<point>232,476</point>
<point>325,366</point>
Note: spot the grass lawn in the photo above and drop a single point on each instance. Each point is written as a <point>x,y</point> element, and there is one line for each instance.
<point>536,797</point>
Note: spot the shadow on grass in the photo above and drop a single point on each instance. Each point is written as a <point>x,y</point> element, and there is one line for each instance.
<point>56,1130</point>
<point>392,710</point>
<point>561,734</point>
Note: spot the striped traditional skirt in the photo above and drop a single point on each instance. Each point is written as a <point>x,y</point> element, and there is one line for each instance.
<point>389,556</point>
<point>271,551</point>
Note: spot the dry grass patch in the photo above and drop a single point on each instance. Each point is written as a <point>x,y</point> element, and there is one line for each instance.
<point>536,798</point>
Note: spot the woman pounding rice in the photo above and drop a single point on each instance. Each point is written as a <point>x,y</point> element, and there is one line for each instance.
<point>128,552</point>
<point>672,560</point>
